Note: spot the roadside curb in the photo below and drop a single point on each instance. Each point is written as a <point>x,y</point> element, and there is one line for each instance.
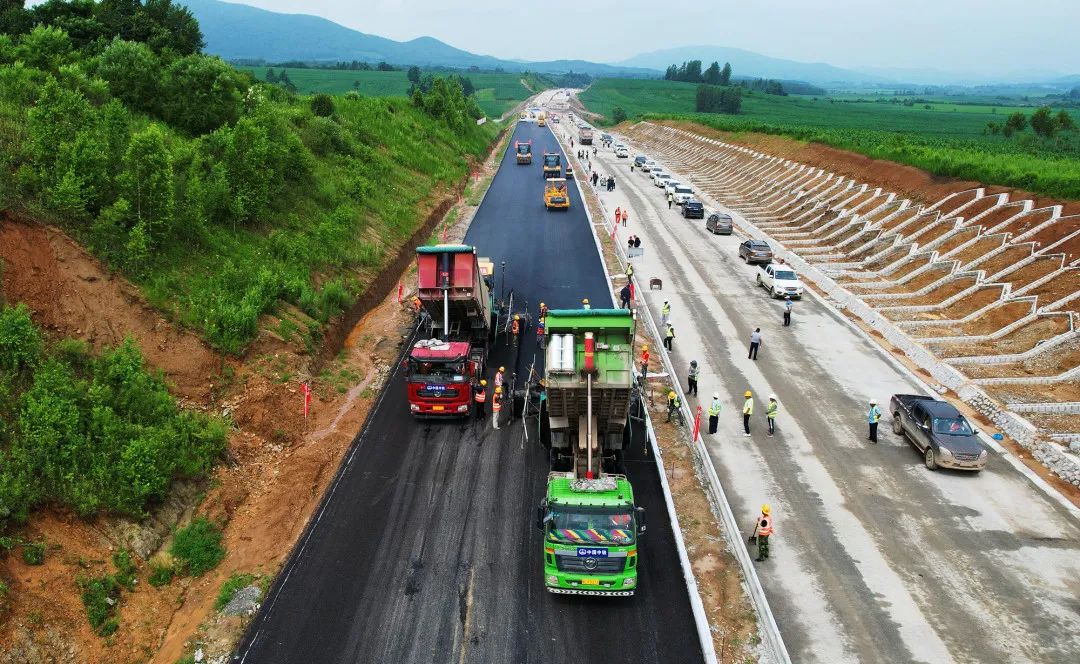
<point>772,640</point>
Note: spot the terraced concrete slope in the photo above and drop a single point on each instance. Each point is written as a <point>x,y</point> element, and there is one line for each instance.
<point>424,549</point>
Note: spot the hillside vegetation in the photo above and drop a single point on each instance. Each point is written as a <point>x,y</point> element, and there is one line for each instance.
<point>218,195</point>
<point>496,93</point>
<point>943,138</point>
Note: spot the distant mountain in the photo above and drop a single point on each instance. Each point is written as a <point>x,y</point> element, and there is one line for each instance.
<point>241,32</point>
<point>748,63</point>
<point>920,76</point>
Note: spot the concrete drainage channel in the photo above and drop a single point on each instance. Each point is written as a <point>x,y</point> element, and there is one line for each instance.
<point>1051,454</point>
<point>772,644</point>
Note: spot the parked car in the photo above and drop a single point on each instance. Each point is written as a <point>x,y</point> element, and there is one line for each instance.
<point>661,180</point>
<point>720,224</point>
<point>693,209</point>
<point>648,166</point>
<point>605,137</point>
<point>780,280</point>
<point>755,251</point>
<point>939,431</point>
<point>656,171</point>
<point>621,152</point>
<point>669,186</point>
<point>682,193</point>
<point>639,160</point>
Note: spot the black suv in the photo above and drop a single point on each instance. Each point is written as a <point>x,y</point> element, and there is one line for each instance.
<point>692,209</point>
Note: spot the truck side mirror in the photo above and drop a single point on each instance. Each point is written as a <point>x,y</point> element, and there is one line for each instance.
<point>640,519</point>
<point>539,517</point>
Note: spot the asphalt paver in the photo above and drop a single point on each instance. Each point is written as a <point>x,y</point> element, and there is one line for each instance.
<point>424,548</point>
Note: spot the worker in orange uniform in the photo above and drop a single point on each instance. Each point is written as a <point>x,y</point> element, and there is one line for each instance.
<point>480,398</point>
<point>416,304</point>
<point>644,361</point>
<point>763,528</point>
<point>515,328</point>
<point>540,333</point>
<point>496,407</point>
<point>618,216</point>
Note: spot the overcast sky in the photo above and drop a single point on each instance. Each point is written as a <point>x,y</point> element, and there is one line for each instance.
<point>950,35</point>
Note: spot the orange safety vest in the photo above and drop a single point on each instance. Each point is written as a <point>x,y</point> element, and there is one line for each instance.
<point>496,403</point>
<point>764,526</point>
<point>480,396</point>
<point>645,357</point>
<point>515,328</point>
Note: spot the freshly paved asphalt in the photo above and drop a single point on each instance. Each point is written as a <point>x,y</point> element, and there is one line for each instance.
<point>424,549</point>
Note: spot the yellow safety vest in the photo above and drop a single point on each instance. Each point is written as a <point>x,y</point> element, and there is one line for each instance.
<point>714,408</point>
<point>748,407</point>
<point>771,410</point>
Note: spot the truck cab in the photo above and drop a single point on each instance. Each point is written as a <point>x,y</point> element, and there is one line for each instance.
<point>552,165</point>
<point>541,119</point>
<point>591,530</point>
<point>556,195</point>
<point>440,377</point>
<point>585,135</point>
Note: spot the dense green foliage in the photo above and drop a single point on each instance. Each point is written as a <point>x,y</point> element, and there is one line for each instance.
<point>947,139</point>
<point>221,197</point>
<point>101,597</point>
<point>90,432</point>
<point>495,93</point>
<point>716,99</point>
<point>197,547</point>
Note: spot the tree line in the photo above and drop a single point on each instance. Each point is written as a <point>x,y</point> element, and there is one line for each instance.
<point>1044,123</point>
<point>690,72</point>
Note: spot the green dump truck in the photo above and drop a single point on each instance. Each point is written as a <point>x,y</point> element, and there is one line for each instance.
<point>590,522</point>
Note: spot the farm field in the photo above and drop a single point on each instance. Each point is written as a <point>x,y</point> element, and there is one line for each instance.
<point>946,139</point>
<point>495,93</point>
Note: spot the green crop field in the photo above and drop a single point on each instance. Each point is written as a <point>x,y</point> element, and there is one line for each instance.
<point>496,93</point>
<point>945,138</point>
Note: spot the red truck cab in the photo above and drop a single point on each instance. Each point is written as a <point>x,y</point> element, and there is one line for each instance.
<point>440,379</point>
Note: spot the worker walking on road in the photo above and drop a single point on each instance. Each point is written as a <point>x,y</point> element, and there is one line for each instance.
<point>515,328</point>
<point>691,378</point>
<point>480,398</point>
<point>714,413</point>
<point>771,411</point>
<point>618,215</point>
<point>496,407</point>
<point>625,213</point>
<point>787,311</point>
<point>624,296</point>
<point>763,529</point>
<point>665,313</point>
<point>673,404</point>
<point>755,343</point>
<point>669,337</point>
<point>629,269</point>
<point>747,411</point>
<point>670,200</point>
<point>644,362</point>
<point>873,416</point>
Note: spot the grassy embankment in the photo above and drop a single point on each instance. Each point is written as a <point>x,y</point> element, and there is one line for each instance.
<point>945,139</point>
<point>496,93</point>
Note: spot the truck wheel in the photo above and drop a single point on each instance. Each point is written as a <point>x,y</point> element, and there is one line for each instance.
<point>931,458</point>
<point>897,425</point>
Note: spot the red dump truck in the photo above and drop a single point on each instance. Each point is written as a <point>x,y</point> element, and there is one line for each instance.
<point>454,293</point>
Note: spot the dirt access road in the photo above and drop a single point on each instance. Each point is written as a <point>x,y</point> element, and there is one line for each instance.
<point>424,548</point>
<point>875,558</point>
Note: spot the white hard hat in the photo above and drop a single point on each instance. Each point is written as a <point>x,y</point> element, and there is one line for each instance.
<point>715,395</point>
<point>772,397</point>
<point>873,402</point>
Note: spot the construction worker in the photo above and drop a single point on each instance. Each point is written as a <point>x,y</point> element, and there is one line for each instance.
<point>691,378</point>
<point>874,416</point>
<point>670,200</point>
<point>787,311</point>
<point>747,411</point>
<point>499,377</point>
<point>618,215</point>
<point>714,413</point>
<point>644,361</point>
<point>629,270</point>
<point>673,404</point>
<point>665,313</point>
<point>480,397</point>
<point>771,411</point>
<point>496,407</point>
<point>669,336</point>
<point>762,530</point>
<point>624,296</point>
<point>585,304</point>
<point>625,213</point>
<point>515,328</point>
<point>755,343</point>
<point>416,304</point>
<point>543,310</point>
<point>540,338</point>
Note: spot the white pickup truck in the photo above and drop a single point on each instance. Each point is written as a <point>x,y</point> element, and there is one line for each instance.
<point>780,280</point>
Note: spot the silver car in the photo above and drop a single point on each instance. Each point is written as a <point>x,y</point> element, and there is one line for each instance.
<point>719,223</point>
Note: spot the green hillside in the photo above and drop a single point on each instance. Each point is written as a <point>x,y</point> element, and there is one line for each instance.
<point>496,93</point>
<point>942,137</point>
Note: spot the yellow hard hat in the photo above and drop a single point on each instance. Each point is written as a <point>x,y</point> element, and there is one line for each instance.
<point>585,301</point>
<point>542,304</point>
<point>671,393</point>
<point>765,508</point>
<point>644,346</point>
<point>517,317</point>
<point>483,381</point>
<point>748,395</point>
<point>502,368</point>
<point>498,390</point>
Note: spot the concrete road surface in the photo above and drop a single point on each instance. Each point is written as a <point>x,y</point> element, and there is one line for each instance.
<point>425,550</point>
<point>875,558</point>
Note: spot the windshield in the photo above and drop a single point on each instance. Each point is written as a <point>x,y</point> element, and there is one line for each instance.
<point>954,426</point>
<point>551,160</point>
<point>557,187</point>
<point>784,275</point>
<point>523,149</point>
<point>583,525</point>
<point>683,190</point>
<point>436,372</point>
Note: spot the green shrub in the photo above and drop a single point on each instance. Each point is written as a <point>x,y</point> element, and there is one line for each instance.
<point>101,597</point>
<point>197,547</point>
<point>322,105</point>
<point>161,574</point>
<point>234,583</point>
<point>125,569</point>
<point>20,341</point>
<point>33,553</point>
